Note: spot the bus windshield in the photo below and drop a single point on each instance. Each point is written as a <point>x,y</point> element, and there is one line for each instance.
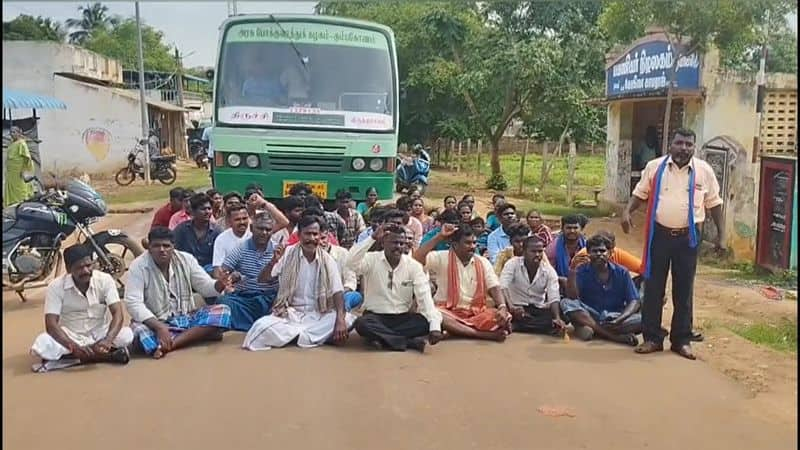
<point>306,75</point>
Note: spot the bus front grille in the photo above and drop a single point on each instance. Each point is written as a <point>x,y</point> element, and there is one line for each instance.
<point>306,163</point>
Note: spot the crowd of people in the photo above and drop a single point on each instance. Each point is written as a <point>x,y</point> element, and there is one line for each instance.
<point>400,275</point>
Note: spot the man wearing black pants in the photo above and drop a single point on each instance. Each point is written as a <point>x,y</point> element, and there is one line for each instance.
<point>399,310</point>
<point>678,190</point>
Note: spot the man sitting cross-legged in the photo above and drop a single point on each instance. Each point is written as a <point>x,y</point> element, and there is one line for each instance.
<point>602,298</point>
<point>197,236</point>
<point>158,296</point>
<point>309,306</point>
<point>393,281</point>
<point>78,326</point>
<point>250,267</point>
<point>531,285</point>
<point>464,279</point>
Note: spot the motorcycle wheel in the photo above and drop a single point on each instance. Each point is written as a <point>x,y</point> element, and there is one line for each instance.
<point>121,251</point>
<point>124,177</point>
<point>168,175</point>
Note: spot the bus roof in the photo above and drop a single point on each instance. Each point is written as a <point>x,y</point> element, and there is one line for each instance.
<point>308,18</point>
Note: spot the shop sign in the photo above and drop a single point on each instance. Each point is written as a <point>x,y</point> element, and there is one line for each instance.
<point>644,70</point>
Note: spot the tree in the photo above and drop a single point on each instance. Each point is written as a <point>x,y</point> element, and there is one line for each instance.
<point>29,28</point>
<point>119,42</point>
<point>93,18</point>
<point>471,71</point>
<point>732,26</point>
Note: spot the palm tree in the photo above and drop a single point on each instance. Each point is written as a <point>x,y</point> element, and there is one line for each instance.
<point>93,17</point>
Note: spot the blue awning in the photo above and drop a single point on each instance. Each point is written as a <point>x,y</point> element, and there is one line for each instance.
<point>14,99</point>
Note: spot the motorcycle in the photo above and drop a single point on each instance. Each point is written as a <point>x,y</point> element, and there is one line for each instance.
<point>198,152</point>
<point>161,167</point>
<point>412,174</point>
<point>34,230</point>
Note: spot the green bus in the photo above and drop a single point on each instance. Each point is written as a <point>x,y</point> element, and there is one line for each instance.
<point>305,98</point>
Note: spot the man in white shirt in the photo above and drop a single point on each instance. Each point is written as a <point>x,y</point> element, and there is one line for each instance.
<point>352,298</point>
<point>228,240</point>
<point>159,298</point>
<point>394,283</point>
<point>531,288</point>
<point>309,306</point>
<point>82,316</point>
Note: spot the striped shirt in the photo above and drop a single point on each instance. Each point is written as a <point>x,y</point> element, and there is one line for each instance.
<point>249,262</point>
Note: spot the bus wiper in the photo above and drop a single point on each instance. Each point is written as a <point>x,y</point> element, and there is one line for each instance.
<point>303,59</point>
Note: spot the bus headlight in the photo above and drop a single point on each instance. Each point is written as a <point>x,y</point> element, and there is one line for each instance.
<point>251,161</point>
<point>359,164</point>
<point>234,160</point>
<point>376,164</point>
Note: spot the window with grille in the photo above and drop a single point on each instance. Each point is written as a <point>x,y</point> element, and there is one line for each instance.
<point>779,123</point>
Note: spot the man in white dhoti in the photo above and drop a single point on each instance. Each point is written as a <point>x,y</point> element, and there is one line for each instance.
<point>310,305</point>
<point>82,316</point>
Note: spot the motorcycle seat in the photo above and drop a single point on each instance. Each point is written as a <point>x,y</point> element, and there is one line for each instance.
<point>169,158</point>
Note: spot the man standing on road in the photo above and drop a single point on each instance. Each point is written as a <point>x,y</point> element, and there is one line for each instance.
<point>78,326</point>
<point>465,281</point>
<point>601,298</point>
<point>500,238</point>
<point>309,306</point>
<point>158,296</point>
<point>531,287</point>
<point>678,188</point>
<point>393,283</point>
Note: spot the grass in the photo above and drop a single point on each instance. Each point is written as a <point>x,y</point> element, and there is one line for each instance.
<point>190,177</point>
<point>589,174</point>
<point>748,271</point>
<point>781,337</point>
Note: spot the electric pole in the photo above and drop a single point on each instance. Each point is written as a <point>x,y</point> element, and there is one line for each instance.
<point>142,101</point>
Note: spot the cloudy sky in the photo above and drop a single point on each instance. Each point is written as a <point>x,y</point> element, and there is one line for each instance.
<point>191,26</point>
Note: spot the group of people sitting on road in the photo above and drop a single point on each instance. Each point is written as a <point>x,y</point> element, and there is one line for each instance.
<point>399,275</point>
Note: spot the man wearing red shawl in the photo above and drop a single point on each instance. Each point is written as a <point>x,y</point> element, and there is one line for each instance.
<point>465,281</point>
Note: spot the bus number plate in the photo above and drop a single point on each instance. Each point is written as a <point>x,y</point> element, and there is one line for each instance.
<point>318,188</point>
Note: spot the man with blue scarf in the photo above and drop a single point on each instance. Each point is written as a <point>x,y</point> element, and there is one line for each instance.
<point>678,189</point>
<point>564,247</point>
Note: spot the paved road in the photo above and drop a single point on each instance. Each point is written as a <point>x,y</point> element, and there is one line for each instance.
<point>459,395</point>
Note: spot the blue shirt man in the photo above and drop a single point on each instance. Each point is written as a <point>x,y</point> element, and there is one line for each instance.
<point>499,238</point>
<point>207,137</point>
<point>602,299</point>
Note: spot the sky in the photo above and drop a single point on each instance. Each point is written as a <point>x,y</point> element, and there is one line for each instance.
<point>193,27</point>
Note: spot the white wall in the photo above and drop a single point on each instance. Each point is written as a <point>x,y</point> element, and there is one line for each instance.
<point>25,63</point>
<point>64,146</point>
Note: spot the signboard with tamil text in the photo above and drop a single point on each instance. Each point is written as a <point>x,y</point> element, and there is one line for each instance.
<point>644,70</point>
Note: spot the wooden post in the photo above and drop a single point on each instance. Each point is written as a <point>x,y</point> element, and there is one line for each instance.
<point>573,156</point>
<point>450,149</point>
<point>522,165</point>
<point>480,143</point>
<point>544,165</point>
<point>438,152</point>
<point>458,158</point>
<point>469,149</point>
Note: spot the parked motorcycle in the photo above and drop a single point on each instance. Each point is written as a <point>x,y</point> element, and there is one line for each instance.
<point>198,152</point>
<point>33,231</point>
<point>412,173</point>
<point>161,167</point>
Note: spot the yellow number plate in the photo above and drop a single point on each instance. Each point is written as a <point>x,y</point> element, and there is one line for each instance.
<point>318,188</point>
